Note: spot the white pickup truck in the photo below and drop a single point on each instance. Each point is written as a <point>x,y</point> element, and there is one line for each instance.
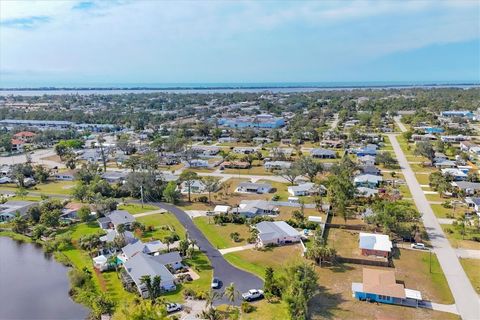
<point>252,294</point>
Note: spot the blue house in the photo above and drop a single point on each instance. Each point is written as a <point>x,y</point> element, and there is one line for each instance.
<point>368,150</point>
<point>432,130</point>
<point>381,286</point>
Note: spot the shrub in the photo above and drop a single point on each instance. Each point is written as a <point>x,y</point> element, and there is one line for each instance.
<point>246,307</point>
<point>275,197</point>
<point>203,199</point>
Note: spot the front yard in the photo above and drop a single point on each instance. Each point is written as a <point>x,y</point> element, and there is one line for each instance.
<point>219,235</point>
<point>472,269</point>
<point>165,224</point>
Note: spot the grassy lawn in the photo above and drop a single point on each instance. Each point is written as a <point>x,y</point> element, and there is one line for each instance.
<point>442,212</point>
<point>254,170</point>
<point>136,208</point>
<point>165,224</point>
<point>344,241</point>
<point>281,189</point>
<point>263,310</point>
<point>82,229</point>
<point>219,235</point>
<point>472,269</point>
<point>434,197</point>
<point>405,191</point>
<point>422,178</point>
<point>456,239</point>
<point>55,187</point>
<point>256,261</point>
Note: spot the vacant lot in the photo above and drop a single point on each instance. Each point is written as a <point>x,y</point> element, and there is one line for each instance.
<point>459,241</point>
<point>165,224</point>
<point>136,208</point>
<point>472,269</point>
<point>219,235</point>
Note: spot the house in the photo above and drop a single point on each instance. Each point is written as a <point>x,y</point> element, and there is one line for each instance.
<point>367,180</point>
<point>38,124</point>
<point>380,286</point>
<point>196,186</point>
<point>281,152</point>
<point>261,121</point>
<point>423,137</point>
<point>332,143</point>
<point>276,233</point>
<point>445,163</point>
<point>227,140</point>
<point>469,188</point>
<point>304,189</point>
<point>473,202</point>
<point>244,150</point>
<point>206,150</point>
<point>249,187</point>
<point>277,165</point>
<point>457,114</point>
<point>17,145</point>
<point>93,155</point>
<point>252,208</point>
<point>170,260</point>
<point>369,149</point>
<point>112,234</point>
<point>65,175</point>
<point>150,248</point>
<point>219,209</point>
<point>25,136</point>
<point>116,218</point>
<point>319,153</point>
<point>70,210</point>
<point>235,165</point>
<point>197,163</point>
<point>455,173</point>
<point>378,245</point>
<point>366,192</point>
<point>259,140</point>
<point>457,138</point>
<point>115,176</point>
<point>10,209</point>
<point>366,160</point>
<point>366,169</point>
<point>142,265</point>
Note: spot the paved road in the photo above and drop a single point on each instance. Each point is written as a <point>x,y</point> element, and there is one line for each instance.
<point>400,124</point>
<point>468,254</point>
<point>466,299</point>
<point>223,270</point>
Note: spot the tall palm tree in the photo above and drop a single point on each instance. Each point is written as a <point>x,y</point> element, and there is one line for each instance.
<point>212,297</point>
<point>231,293</point>
<point>210,314</point>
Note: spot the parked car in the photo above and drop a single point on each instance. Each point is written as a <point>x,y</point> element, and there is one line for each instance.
<point>420,246</point>
<point>173,307</point>
<point>215,283</point>
<point>252,294</point>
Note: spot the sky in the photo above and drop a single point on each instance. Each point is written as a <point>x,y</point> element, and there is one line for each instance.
<point>62,43</point>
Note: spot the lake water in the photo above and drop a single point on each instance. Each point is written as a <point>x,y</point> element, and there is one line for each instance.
<point>33,285</point>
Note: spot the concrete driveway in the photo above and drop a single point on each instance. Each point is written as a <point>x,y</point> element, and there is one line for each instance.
<point>223,270</point>
<point>466,299</point>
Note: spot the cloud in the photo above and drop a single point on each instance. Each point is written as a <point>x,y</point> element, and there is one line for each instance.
<point>25,23</point>
<point>84,5</point>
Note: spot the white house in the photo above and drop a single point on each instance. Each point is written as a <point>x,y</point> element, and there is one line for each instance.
<point>304,189</point>
<point>276,233</point>
<point>249,187</point>
<point>196,186</point>
<point>375,244</point>
<point>277,165</point>
<point>251,208</point>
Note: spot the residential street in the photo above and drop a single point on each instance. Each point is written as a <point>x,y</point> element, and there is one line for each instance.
<point>466,299</point>
<point>223,270</point>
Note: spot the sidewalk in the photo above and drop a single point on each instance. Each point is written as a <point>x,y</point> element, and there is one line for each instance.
<point>148,213</point>
<point>235,249</point>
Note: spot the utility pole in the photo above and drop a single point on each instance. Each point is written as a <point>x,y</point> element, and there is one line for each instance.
<point>430,251</point>
<point>141,193</point>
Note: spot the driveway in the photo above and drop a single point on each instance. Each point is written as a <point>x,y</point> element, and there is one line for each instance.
<point>466,299</point>
<point>222,269</point>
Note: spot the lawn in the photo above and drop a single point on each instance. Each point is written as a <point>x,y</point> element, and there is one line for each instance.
<point>456,239</point>
<point>55,187</point>
<point>442,212</point>
<point>165,224</point>
<point>219,235</point>
<point>344,241</point>
<point>254,170</point>
<point>255,261</point>
<point>136,208</point>
<point>423,178</point>
<point>263,310</point>
<point>472,269</point>
<point>82,229</point>
<point>280,189</point>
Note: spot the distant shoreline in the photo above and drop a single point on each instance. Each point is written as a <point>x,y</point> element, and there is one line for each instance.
<point>333,85</point>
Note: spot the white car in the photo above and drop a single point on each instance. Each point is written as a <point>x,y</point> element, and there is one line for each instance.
<point>252,294</point>
<point>420,246</point>
<point>173,307</point>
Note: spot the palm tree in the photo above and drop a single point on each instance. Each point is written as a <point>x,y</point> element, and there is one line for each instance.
<point>231,293</point>
<point>112,261</point>
<point>193,243</point>
<point>212,297</point>
<point>210,314</point>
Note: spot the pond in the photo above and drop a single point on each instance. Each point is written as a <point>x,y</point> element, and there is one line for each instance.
<point>33,285</point>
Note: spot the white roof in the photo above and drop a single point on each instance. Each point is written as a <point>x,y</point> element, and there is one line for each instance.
<point>413,294</point>
<point>220,208</point>
<point>373,241</point>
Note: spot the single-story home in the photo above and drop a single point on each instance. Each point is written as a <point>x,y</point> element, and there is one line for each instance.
<point>375,244</point>
<point>151,248</point>
<point>196,186</point>
<point>276,232</point>
<point>367,180</point>
<point>220,209</point>
<point>250,187</point>
<point>112,234</point>
<point>277,165</point>
<point>455,173</point>
<point>115,218</point>
<point>251,208</point>
<point>235,165</point>
<point>473,202</point>
<point>114,176</point>
<point>370,169</point>
<point>10,209</point>
<point>469,188</point>
<point>369,149</point>
<point>366,160</point>
<point>304,189</point>
<point>366,192</point>
<point>244,150</point>
<point>142,265</point>
<point>170,260</point>
<point>381,286</point>
<point>323,153</point>
<point>70,210</point>
<point>444,163</point>
<point>65,175</point>
<point>197,163</point>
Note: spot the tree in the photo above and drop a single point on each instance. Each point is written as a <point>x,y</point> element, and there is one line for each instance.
<point>153,286</point>
<point>188,177</point>
<point>235,236</point>
<point>309,167</point>
<point>84,214</point>
<point>321,253</point>
<point>210,314</point>
<point>21,192</point>
<point>34,214</point>
<point>212,297</point>
<point>170,193</point>
<point>41,174</point>
<point>271,285</point>
<point>424,148</point>
<point>183,246</point>
<point>103,153</point>
<point>102,304</point>
<point>301,286</point>
<point>144,310</point>
<point>19,225</point>
<point>290,174</point>
<point>231,293</point>
<point>386,159</point>
<point>340,192</point>
<point>50,218</point>
<point>211,185</point>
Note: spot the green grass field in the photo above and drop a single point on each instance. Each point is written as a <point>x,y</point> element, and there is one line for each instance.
<point>136,208</point>
<point>472,269</point>
<point>219,235</point>
<point>165,224</point>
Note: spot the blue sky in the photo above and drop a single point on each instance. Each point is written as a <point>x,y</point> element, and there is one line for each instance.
<point>106,42</point>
